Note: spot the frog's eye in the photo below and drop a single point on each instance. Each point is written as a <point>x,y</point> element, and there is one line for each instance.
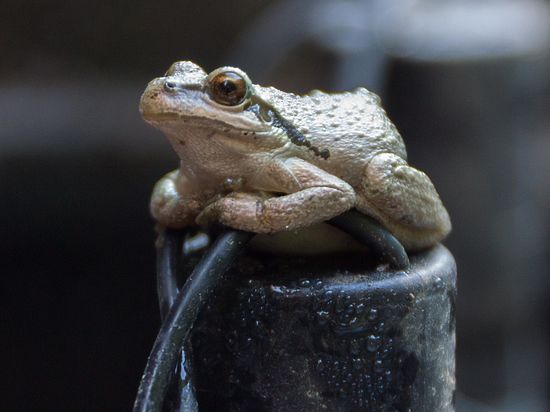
<point>227,88</point>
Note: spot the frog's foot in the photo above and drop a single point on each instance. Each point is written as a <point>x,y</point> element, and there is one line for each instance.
<point>405,201</point>
<point>169,207</point>
<point>322,196</point>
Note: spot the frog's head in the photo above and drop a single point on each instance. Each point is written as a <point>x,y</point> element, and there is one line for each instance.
<point>187,97</point>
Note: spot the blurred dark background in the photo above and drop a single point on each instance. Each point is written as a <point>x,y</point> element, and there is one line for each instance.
<point>466,82</point>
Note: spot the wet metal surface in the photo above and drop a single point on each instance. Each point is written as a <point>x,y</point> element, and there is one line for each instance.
<point>331,333</point>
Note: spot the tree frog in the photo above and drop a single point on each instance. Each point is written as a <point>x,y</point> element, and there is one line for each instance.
<point>263,160</point>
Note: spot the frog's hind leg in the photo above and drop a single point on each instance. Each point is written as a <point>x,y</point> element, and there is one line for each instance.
<point>404,200</point>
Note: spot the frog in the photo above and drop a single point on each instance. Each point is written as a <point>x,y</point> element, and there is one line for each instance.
<point>258,159</point>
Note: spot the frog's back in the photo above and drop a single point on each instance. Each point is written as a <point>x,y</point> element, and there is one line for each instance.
<point>351,125</point>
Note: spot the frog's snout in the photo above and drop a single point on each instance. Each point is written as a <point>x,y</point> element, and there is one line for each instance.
<point>152,99</point>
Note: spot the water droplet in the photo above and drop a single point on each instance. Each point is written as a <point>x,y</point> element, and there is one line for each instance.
<point>373,343</point>
<point>373,314</point>
<point>323,314</point>
<point>319,366</point>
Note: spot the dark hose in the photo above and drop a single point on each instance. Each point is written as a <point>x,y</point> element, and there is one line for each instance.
<point>207,277</point>
<point>371,233</point>
<point>169,245</point>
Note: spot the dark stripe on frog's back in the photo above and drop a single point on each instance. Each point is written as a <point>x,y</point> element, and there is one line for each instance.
<point>306,112</point>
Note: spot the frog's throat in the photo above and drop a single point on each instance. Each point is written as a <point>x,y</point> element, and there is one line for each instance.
<point>263,110</point>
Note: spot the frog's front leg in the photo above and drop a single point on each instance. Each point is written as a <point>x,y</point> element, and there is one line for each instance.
<point>313,196</point>
<point>404,200</point>
<point>170,205</point>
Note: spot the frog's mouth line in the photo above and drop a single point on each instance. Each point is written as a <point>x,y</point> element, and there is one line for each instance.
<point>168,117</point>
<point>159,117</point>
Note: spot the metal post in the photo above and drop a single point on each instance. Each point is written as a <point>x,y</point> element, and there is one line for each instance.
<point>335,333</point>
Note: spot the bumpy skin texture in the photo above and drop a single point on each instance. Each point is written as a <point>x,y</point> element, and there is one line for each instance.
<point>278,161</point>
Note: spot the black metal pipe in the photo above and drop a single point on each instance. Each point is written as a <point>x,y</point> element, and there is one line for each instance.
<point>334,333</point>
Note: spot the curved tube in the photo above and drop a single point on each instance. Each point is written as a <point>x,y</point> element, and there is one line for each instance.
<point>207,277</point>
<point>371,233</point>
<point>169,244</point>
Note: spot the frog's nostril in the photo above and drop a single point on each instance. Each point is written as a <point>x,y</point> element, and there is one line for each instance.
<point>169,86</point>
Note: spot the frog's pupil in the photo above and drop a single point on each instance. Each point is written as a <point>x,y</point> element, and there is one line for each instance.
<point>227,87</point>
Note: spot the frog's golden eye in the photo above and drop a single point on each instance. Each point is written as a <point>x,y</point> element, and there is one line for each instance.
<point>227,88</point>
